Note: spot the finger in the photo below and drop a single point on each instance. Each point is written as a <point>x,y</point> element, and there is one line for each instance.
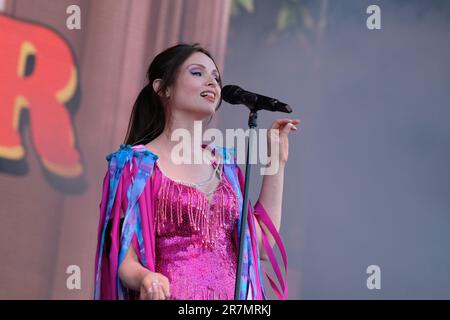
<point>277,124</point>
<point>153,294</point>
<point>282,122</point>
<point>166,290</point>
<point>154,289</point>
<point>157,293</point>
<point>293,127</point>
<point>288,127</point>
<point>150,293</point>
<point>291,122</point>
<point>160,293</point>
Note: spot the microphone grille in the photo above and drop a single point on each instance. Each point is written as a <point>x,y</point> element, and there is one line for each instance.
<point>230,93</point>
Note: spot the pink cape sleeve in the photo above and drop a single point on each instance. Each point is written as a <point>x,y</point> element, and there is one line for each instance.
<point>260,214</point>
<point>109,232</point>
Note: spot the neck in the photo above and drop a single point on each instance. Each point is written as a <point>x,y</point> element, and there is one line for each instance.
<point>187,134</point>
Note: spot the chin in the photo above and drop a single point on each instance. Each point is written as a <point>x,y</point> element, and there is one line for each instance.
<point>202,114</point>
<point>207,110</point>
<point>202,110</point>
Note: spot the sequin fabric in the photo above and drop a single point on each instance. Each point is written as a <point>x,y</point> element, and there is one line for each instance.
<point>194,244</point>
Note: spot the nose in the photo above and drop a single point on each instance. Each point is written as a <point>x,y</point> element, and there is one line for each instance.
<point>211,82</point>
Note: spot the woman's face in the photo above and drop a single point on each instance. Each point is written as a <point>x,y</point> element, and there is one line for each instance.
<point>196,91</point>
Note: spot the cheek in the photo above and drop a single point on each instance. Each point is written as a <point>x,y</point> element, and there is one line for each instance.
<point>189,87</point>
<point>187,94</point>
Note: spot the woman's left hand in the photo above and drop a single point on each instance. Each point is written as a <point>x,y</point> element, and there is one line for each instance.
<point>278,133</point>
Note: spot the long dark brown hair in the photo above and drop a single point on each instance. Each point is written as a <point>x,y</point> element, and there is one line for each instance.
<point>149,116</point>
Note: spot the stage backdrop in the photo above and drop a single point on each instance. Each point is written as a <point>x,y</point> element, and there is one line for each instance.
<point>366,192</point>
<point>65,100</point>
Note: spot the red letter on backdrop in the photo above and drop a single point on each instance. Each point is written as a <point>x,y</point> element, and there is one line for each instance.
<point>44,91</point>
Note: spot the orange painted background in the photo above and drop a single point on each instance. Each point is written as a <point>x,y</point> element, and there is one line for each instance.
<point>65,100</point>
<point>41,77</point>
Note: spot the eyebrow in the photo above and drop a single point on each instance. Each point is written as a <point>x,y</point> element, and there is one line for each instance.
<point>202,66</point>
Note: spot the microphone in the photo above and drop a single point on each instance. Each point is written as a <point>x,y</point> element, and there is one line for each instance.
<point>254,101</point>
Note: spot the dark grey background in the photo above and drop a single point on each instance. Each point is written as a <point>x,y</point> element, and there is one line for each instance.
<point>368,179</point>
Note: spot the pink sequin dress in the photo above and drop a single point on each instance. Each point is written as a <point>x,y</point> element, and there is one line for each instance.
<point>194,239</point>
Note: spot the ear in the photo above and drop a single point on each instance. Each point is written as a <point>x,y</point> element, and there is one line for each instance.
<point>156,84</point>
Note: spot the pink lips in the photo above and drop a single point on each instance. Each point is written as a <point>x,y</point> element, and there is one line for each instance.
<point>210,98</point>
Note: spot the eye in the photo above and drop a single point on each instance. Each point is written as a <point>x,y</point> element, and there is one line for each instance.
<point>196,73</point>
<point>199,73</point>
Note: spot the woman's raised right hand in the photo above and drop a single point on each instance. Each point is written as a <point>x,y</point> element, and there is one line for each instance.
<point>154,286</point>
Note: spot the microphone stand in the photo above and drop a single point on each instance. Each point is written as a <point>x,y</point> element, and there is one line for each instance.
<point>252,124</point>
<point>255,102</point>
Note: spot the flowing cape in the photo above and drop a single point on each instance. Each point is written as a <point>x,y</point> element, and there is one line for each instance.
<point>127,217</point>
